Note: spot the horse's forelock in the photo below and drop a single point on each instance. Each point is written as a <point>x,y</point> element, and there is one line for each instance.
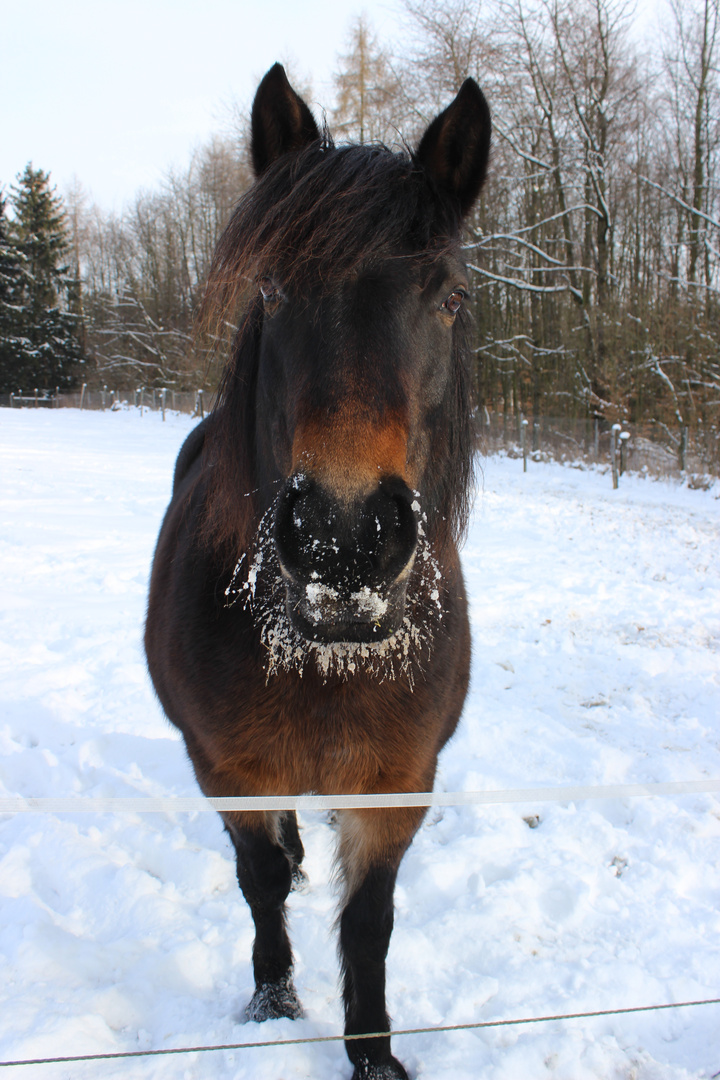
<point>314,218</point>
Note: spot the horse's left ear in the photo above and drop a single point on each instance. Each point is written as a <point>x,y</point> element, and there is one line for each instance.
<point>280,121</point>
<point>456,146</point>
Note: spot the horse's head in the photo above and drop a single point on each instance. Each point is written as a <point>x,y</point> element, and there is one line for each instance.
<point>351,370</point>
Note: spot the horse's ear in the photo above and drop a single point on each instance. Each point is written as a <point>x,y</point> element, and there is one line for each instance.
<point>456,146</point>
<point>280,121</point>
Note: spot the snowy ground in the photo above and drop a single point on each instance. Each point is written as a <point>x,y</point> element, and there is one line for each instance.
<point>596,618</point>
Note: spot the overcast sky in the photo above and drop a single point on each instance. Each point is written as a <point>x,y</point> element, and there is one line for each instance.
<point>115,92</point>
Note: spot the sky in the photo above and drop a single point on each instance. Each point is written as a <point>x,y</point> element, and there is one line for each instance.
<point>115,94</point>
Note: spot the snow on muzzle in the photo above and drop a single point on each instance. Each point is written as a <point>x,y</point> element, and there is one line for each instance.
<point>345,566</point>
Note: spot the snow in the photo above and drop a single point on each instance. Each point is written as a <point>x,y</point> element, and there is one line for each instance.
<point>596,628</point>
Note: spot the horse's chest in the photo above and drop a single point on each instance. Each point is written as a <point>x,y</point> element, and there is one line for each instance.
<point>336,739</point>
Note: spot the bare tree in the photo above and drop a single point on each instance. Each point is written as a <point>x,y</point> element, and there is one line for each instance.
<point>144,272</point>
<point>692,66</point>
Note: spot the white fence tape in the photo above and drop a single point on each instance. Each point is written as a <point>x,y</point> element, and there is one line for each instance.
<point>80,804</point>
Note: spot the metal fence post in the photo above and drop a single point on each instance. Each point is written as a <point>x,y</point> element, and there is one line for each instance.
<point>82,395</point>
<point>523,441</point>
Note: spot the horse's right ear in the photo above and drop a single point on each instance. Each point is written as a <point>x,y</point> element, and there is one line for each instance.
<point>281,122</point>
<point>455,148</point>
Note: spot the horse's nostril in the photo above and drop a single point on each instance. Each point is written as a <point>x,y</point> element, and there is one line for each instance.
<point>304,529</point>
<point>389,527</point>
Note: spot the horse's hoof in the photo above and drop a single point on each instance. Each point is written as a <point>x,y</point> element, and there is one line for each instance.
<point>389,1070</point>
<point>273,1001</point>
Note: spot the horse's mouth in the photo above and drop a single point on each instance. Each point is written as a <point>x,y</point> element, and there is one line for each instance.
<point>321,613</point>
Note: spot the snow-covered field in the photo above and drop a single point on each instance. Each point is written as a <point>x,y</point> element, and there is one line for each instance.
<point>596,618</point>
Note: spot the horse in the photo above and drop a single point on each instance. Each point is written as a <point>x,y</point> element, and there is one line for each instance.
<point>307,626</point>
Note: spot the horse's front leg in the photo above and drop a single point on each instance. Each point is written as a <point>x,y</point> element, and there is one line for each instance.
<point>372,844</point>
<point>265,869</point>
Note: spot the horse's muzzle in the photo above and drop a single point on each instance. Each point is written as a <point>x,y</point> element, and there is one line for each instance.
<point>346,567</point>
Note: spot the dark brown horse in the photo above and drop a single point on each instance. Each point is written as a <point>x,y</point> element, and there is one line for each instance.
<point>307,627</point>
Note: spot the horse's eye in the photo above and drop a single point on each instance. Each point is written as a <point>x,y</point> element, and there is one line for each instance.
<point>269,289</point>
<point>455,301</point>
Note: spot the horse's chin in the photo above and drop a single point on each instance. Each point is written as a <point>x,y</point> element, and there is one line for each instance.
<point>367,617</point>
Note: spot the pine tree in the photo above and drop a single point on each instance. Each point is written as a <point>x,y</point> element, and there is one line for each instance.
<point>13,274</point>
<point>50,331</point>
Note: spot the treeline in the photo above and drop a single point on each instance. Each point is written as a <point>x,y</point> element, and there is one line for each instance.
<point>595,251</point>
<point>144,272</point>
<point>125,287</point>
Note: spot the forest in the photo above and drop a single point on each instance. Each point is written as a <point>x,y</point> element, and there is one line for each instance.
<point>594,253</point>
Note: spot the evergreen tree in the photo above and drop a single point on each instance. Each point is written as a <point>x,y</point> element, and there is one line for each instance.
<point>13,275</point>
<point>51,331</point>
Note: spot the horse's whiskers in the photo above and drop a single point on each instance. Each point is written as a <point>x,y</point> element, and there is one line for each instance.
<point>259,586</point>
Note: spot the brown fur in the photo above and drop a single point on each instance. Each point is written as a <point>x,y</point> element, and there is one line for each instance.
<point>350,455</point>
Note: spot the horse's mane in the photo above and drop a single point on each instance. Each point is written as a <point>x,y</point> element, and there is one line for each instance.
<point>312,220</point>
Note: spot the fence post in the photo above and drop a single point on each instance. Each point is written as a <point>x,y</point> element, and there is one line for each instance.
<point>103,392</point>
<point>523,441</point>
<point>82,394</point>
<point>12,396</point>
<point>200,407</point>
<point>682,449</point>
<point>613,453</point>
<point>624,436</point>
<point>57,397</point>
<point>163,395</point>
